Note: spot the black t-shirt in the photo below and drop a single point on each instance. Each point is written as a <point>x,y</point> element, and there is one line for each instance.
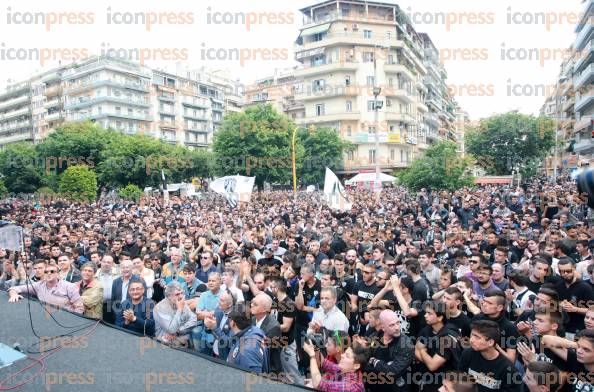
<point>420,291</point>
<point>285,308</point>
<point>462,322</point>
<point>578,376</point>
<point>498,374</point>
<point>311,297</point>
<point>364,294</point>
<point>580,294</point>
<point>441,343</point>
<point>507,329</point>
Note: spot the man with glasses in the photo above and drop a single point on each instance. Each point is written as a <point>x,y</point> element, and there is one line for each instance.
<point>575,296</point>
<point>362,294</point>
<point>136,313</point>
<point>51,290</point>
<point>206,266</point>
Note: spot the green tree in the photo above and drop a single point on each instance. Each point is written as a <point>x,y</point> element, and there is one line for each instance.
<point>130,192</point>
<point>439,168</point>
<point>323,148</point>
<point>77,143</point>
<point>511,141</point>
<point>256,142</point>
<point>79,183</point>
<point>20,168</point>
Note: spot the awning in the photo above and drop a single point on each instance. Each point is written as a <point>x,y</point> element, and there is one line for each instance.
<point>315,30</point>
<point>493,180</point>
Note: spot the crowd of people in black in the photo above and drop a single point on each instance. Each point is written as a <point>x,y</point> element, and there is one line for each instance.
<point>489,288</point>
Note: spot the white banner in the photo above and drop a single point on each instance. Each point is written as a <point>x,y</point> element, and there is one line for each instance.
<point>10,237</point>
<point>335,192</point>
<point>235,188</point>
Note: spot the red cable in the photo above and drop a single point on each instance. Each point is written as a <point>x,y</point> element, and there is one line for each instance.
<point>41,361</point>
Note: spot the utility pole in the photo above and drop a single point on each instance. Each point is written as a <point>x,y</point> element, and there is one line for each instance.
<point>376,92</point>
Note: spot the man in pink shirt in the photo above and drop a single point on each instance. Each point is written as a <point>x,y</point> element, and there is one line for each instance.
<point>51,290</point>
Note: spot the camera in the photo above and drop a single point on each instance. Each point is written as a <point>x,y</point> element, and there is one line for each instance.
<point>317,339</point>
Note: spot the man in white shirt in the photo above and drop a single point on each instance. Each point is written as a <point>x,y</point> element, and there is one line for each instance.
<point>328,316</point>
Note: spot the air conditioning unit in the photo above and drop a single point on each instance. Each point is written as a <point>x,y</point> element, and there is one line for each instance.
<point>355,27</point>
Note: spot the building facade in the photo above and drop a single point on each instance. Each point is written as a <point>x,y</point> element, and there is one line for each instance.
<point>180,108</point>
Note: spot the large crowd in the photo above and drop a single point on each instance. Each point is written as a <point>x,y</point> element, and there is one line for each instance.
<point>489,288</point>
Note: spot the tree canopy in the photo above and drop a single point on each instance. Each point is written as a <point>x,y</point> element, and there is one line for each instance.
<point>438,168</point>
<point>511,141</point>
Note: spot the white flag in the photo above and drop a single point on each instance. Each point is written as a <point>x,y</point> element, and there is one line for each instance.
<point>235,188</point>
<point>11,237</point>
<point>335,192</point>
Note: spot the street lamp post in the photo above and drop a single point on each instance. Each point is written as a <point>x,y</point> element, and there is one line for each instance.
<point>376,92</point>
<point>294,162</point>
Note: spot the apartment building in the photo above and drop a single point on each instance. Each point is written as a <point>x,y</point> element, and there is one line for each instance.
<point>31,108</point>
<point>125,96</point>
<point>583,82</point>
<point>277,90</point>
<point>114,94</point>
<point>572,103</point>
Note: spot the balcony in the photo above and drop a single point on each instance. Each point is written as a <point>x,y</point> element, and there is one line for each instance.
<point>54,116</point>
<point>582,124</point>
<point>15,126</point>
<point>326,68</point>
<point>108,64</point>
<point>400,69</point>
<point>195,143</point>
<point>568,104</point>
<point>585,78</point>
<point>583,101</point>
<point>15,137</point>
<point>344,116</point>
<point>195,105</point>
<point>584,36</point>
<point>342,38</point>
<point>52,103</point>
<point>399,93</point>
<point>90,85</point>
<point>329,91</point>
<point>431,118</point>
<point>166,98</point>
<point>97,100</point>
<point>196,117</point>
<point>422,107</point>
<point>361,163</point>
<point>402,117</point>
<point>17,113</point>
<point>167,125</point>
<point>126,116</point>
<point>585,57</point>
<point>15,102</point>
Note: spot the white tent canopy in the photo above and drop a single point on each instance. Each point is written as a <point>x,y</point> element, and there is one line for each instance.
<point>369,177</point>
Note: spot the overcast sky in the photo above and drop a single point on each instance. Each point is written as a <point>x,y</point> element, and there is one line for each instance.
<point>471,44</point>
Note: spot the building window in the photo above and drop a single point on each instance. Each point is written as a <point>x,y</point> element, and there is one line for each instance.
<point>349,130</point>
<point>371,156</point>
<point>388,102</point>
<point>367,57</point>
<point>318,85</point>
<point>370,106</point>
<point>349,106</point>
<point>370,81</point>
<point>391,59</point>
<point>390,82</point>
<point>367,34</point>
<point>401,155</point>
<point>392,154</point>
<point>118,110</point>
<point>320,109</point>
<point>350,155</point>
<point>347,80</point>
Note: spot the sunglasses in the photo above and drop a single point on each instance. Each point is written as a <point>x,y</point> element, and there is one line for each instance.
<point>53,271</point>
